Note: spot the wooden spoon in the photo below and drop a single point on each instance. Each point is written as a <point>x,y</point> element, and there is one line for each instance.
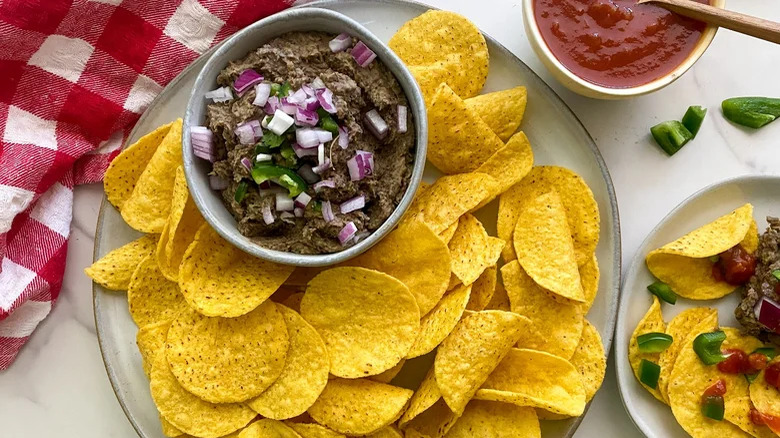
<point>757,27</point>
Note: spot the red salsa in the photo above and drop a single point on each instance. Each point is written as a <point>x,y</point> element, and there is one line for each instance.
<point>739,362</point>
<point>734,266</point>
<point>616,43</point>
<point>772,375</point>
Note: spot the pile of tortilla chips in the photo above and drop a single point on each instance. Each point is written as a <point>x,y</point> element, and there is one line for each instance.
<point>240,347</point>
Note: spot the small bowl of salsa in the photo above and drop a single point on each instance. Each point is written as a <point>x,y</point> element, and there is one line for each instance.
<point>614,49</point>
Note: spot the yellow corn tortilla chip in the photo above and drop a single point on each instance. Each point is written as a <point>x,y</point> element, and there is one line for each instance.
<point>313,430</point>
<point>304,376</point>
<point>589,276</point>
<point>183,222</point>
<point>414,254</point>
<point>684,264</point>
<point>652,322</point>
<point>171,431</point>
<point>446,39</point>
<point>765,398</point>
<point>472,250</point>
<point>151,297</point>
<point>368,319</point>
<point>294,301</point>
<point>750,242</point>
<point>387,432</point>
<point>123,173</point>
<point>471,352</point>
<point>218,279</point>
<point>389,375</point>
<point>189,413</point>
<point>483,289</point>
<point>151,340</point>
<point>510,164</point>
<point>680,328</point>
<point>447,234</point>
<point>449,198</point>
<point>359,407</point>
<point>590,360</point>
<point>434,422</point>
<point>487,419</point>
<point>227,360</point>
<point>545,248</point>
<point>429,77</point>
<point>536,379</point>
<point>458,140</point>
<point>115,269</point>
<point>500,300</point>
<point>149,204</point>
<point>426,395</point>
<point>555,327</point>
<point>436,325</point>
<point>268,428</point>
<point>582,212</point>
<point>501,110</point>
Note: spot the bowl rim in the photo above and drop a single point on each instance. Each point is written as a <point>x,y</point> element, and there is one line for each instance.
<point>549,59</point>
<point>417,107</point>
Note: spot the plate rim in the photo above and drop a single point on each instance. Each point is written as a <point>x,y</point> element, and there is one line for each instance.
<point>538,83</point>
<point>624,374</point>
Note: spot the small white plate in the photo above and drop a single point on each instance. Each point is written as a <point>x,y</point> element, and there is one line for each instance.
<point>651,416</point>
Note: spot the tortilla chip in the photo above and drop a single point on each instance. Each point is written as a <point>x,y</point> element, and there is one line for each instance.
<point>171,431</point>
<point>179,232</point>
<point>429,77</point>
<point>765,397</point>
<point>151,340</point>
<point>387,432</point>
<point>652,322</point>
<point>545,249</point>
<point>555,327</point>
<point>149,204</point>
<point>458,140</point>
<point>750,242</point>
<point>294,301</point>
<point>589,276</point>
<point>313,430</point>
<point>368,320</point>
<point>582,212</point>
<point>359,407</point>
<point>501,110</point>
<point>487,419</point>
<point>449,198</point>
<point>680,329</point>
<point>427,395</point>
<point>268,428</point>
<point>389,375</point>
<point>304,375</point>
<point>151,297</point>
<point>471,352</point>
<point>483,289</point>
<point>124,171</point>
<point>227,360</point>
<point>415,255</point>
<point>115,269</point>
<point>590,360</point>
<point>684,264</point>
<point>434,422</point>
<point>510,164</point>
<point>218,279</point>
<point>472,250</point>
<point>447,234</point>
<point>500,300</point>
<point>436,325</point>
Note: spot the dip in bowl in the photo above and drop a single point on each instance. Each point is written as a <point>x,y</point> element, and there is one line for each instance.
<point>304,139</point>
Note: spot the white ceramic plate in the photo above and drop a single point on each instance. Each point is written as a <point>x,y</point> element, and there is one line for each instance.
<point>652,417</point>
<point>557,137</point>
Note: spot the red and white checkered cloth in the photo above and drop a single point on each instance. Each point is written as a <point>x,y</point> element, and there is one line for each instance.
<point>75,75</point>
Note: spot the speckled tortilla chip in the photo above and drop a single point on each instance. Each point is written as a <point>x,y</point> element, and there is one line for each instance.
<point>313,430</point>
<point>436,325</point>
<point>458,140</point>
<point>151,341</point>
<point>483,289</point>
<point>426,395</point>
<point>765,397</point>
<point>510,164</point>
<point>590,360</point>
<point>652,322</point>
<point>471,352</point>
<point>447,234</point>
<point>151,297</point>
<point>218,279</point>
<point>487,419</point>
<point>430,76</point>
<point>202,353</point>
<point>501,110</point>
<point>268,428</point>
<point>123,173</point>
<point>183,222</point>
<point>387,432</point>
<point>115,269</point>
<point>359,407</point>
<point>589,276</point>
<point>556,327</point>
<point>472,250</point>
<point>149,204</point>
<point>500,300</point>
<point>389,375</point>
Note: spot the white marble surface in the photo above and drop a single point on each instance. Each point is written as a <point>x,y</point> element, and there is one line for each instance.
<point>58,386</point>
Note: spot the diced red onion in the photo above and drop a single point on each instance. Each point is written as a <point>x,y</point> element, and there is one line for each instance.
<point>247,164</point>
<point>323,135</point>
<point>285,215</point>
<point>340,43</point>
<point>271,105</point>
<point>308,90</point>
<point>298,97</point>
<point>311,103</point>
<point>203,143</point>
<point>361,235</point>
<point>362,54</point>
<point>201,133</point>
<point>304,152</point>
<point>402,118</point>
<point>245,133</point>
<point>324,183</point>
<point>368,161</point>
<point>306,117</point>
<point>376,124</point>
<point>262,93</point>
<point>361,165</point>
<point>347,233</point>
<point>298,212</point>
<point>343,137</point>
<point>319,170</point>
<point>325,98</point>
<point>768,314</point>
<point>280,123</point>
<point>353,204</point>
<point>307,138</point>
<point>317,83</point>
<point>320,153</point>
<point>284,202</point>
<point>268,217</point>
<point>221,94</point>
<point>302,200</point>
<point>287,106</point>
<point>263,157</point>
<point>327,211</point>
<point>246,79</point>
<point>265,121</point>
<point>307,174</point>
<point>217,183</point>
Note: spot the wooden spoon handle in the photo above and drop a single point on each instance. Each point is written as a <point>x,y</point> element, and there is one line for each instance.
<point>757,27</point>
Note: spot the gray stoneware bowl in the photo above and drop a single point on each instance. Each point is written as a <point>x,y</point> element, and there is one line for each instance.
<point>237,46</point>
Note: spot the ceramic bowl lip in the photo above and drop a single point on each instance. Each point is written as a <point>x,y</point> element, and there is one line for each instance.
<point>199,188</point>
<point>551,62</point>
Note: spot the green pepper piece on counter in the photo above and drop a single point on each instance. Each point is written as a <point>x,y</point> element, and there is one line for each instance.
<point>671,136</point>
<point>663,291</point>
<point>241,191</point>
<point>713,407</point>
<point>649,373</point>
<point>707,347</point>
<point>693,118</point>
<point>283,176</point>
<point>653,342</point>
<point>753,112</point>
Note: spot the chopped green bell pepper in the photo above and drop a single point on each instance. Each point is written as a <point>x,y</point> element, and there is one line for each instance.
<point>693,118</point>
<point>714,259</point>
<point>241,191</point>
<point>769,352</point>
<point>289,159</point>
<point>753,112</point>
<point>707,347</point>
<point>283,176</point>
<point>649,373</point>
<point>654,342</point>
<point>663,291</point>
<point>713,407</point>
<point>671,136</point>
